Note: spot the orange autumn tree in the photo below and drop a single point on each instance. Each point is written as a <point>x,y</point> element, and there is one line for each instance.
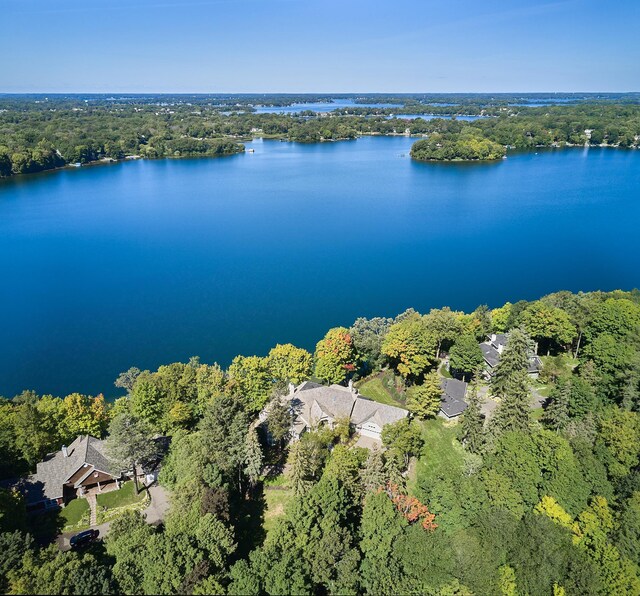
<point>411,508</point>
<point>335,355</point>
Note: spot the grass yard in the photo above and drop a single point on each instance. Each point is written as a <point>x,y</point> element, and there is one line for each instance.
<point>381,388</point>
<point>110,505</point>
<point>120,498</point>
<point>75,516</point>
<point>276,500</point>
<point>441,451</point>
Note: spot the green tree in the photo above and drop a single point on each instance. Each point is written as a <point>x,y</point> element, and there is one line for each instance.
<point>556,414</point>
<point>279,420</point>
<point>472,431</point>
<point>403,437</point>
<point>381,526</point>
<point>511,384</point>
<point>445,326</point>
<point>500,317</point>
<point>148,402</point>
<point>129,444</point>
<point>465,356</point>
<point>224,429</point>
<point>548,325</point>
<point>368,335</point>
<point>424,400</point>
<point>410,346</point>
<point>126,380</point>
<point>253,457</point>
<point>335,356</point>
<point>290,364</point>
<point>251,380</point>
<point>210,384</point>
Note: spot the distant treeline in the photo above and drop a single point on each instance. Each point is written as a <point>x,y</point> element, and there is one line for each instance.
<point>40,134</point>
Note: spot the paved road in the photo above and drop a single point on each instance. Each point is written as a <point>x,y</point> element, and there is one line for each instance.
<point>154,514</point>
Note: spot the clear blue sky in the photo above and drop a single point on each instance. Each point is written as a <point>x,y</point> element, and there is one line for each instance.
<point>309,46</point>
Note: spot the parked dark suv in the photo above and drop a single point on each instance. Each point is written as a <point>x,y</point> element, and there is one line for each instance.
<point>83,538</point>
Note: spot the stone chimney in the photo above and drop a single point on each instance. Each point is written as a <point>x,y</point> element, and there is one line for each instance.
<point>500,348</point>
<point>292,388</point>
<point>65,452</point>
<point>353,390</point>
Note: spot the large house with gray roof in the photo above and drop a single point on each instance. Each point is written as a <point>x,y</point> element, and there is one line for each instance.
<point>492,349</point>
<point>70,472</point>
<point>313,405</point>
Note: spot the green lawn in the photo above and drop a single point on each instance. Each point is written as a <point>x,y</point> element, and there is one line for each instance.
<point>445,372</point>
<point>276,500</point>
<point>75,515</point>
<point>120,498</point>
<point>441,451</point>
<point>381,388</point>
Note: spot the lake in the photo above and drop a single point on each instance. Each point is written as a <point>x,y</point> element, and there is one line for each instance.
<point>148,262</point>
<point>320,107</point>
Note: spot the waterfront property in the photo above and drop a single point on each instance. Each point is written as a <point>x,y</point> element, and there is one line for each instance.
<point>492,349</point>
<point>74,471</point>
<point>314,405</point>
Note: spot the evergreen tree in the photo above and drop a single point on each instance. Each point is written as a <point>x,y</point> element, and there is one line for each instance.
<point>253,457</point>
<point>279,419</point>
<point>374,475</point>
<point>511,384</point>
<point>473,421</point>
<point>129,443</point>
<point>424,400</point>
<point>557,412</point>
<point>300,464</point>
<point>514,358</point>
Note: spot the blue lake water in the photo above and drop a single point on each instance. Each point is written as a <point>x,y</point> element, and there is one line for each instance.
<point>148,262</point>
<point>434,116</point>
<point>321,107</point>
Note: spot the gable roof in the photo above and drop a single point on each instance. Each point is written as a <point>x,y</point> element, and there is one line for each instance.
<point>312,403</point>
<point>366,410</point>
<point>86,453</point>
<point>453,394</point>
<point>490,354</point>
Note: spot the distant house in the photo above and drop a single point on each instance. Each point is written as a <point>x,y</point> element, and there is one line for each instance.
<point>492,349</point>
<point>313,405</point>
<point>70,472</point>
<point>453,394</point>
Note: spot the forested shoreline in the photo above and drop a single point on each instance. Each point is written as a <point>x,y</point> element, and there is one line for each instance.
<point>40,133</point>
<point>533,496</point>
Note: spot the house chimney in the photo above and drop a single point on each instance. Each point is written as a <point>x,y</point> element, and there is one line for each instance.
<point>292,388</point>
<point>353,390</point>
<point>64,451</point>
<point>493,337</point>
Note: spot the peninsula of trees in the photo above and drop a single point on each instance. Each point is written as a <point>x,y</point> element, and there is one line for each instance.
<point>45,132</point>
<point>534,490</point>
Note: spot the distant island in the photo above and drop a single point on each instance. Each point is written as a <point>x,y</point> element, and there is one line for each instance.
<point>40,132</point>
<point>465,146</point>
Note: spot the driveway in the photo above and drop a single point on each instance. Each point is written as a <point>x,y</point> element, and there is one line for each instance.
<point>154,514</point>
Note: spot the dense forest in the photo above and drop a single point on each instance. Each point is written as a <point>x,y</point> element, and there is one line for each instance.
<point>42,133</point>
<point>537,497</point>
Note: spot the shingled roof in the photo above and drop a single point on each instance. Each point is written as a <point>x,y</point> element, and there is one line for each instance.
<point>313,402</point>
<point>55,471</point>
<point>453,394</point>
